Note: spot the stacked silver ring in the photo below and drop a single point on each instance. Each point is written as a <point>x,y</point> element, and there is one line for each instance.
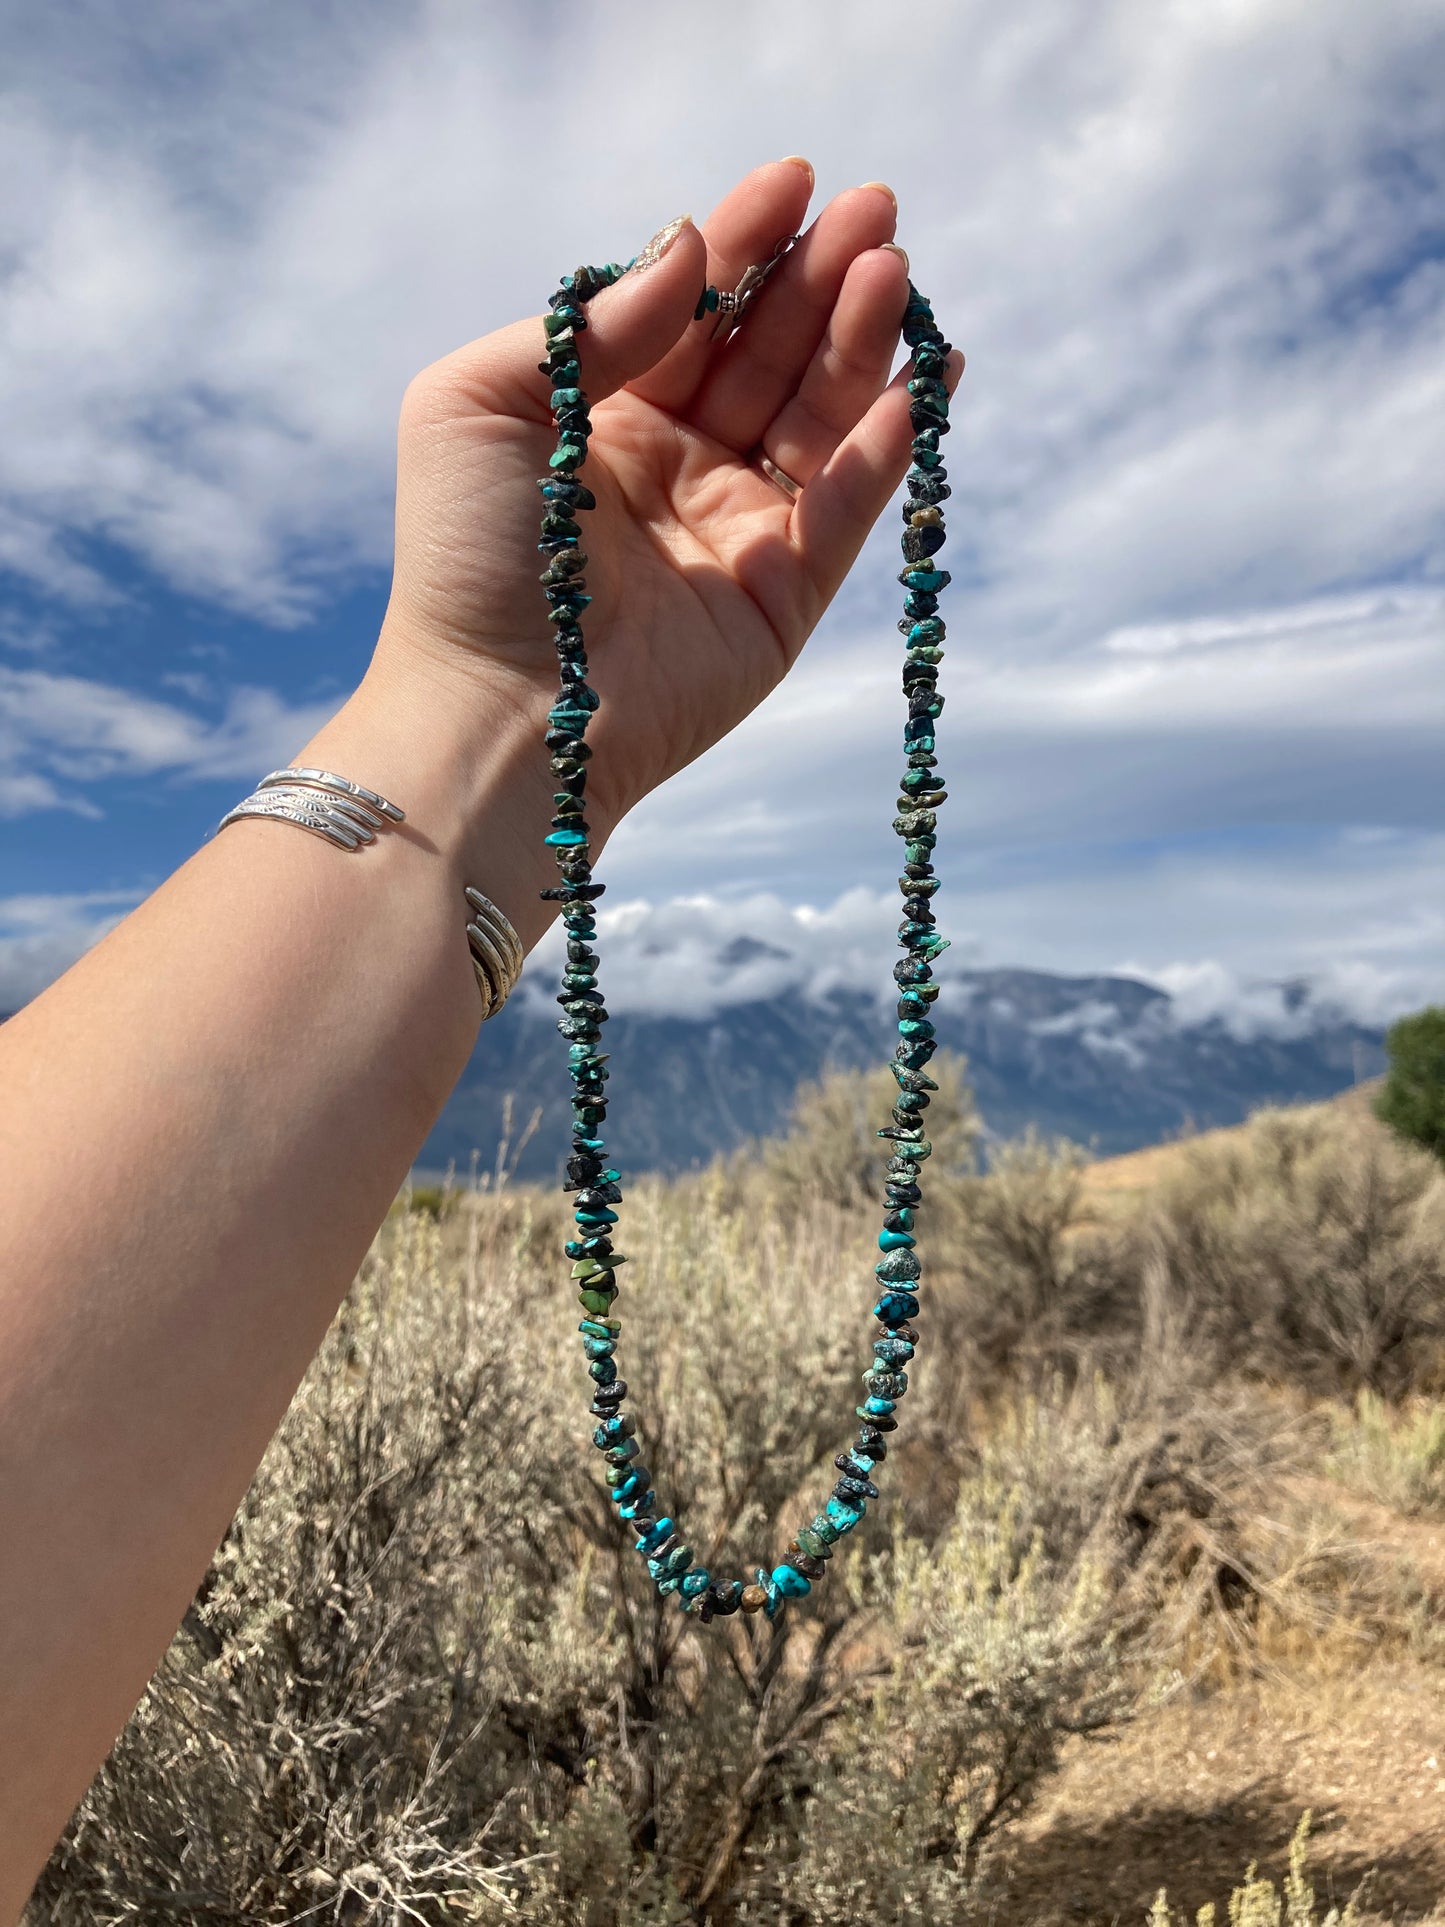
<point>320,801</point>
<point>496,952</point>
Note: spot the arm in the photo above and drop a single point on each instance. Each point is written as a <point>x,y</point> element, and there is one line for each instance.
<point>207,1118</point>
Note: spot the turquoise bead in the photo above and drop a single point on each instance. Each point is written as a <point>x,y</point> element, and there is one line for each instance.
<point>790,1582</point>
<point>878,1407</point>
<point>825,1529</point>
<point>599,1347</point>
<point>595,1217</point>
<point>694,1582</point>
<point>843,1517</point>
<point>893,1240</point>
<point>900,1267</point>
<point>567,456</point>
<point>565,839</point>
<point>656,1534</point>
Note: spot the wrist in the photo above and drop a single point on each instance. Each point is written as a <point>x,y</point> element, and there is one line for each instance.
<point>456,741</point>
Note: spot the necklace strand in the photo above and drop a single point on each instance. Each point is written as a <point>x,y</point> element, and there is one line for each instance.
<point>596,1186</point>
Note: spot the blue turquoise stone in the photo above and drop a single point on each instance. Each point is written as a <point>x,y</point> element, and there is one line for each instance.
<point>790,1582</point>
<point>599,1347</point>
<point>929,630</point>
<point>826,1529</point>
<point>893,1240</point>
<point>629,1488</point>
<point>694,1582</point>
<point>603,1216</point>
<point>896,1308</point>
<point>565,839</point>
<point>567,456</point>
<point>841,1516</point>
<point>602,1370</point>
<point>914,1027</point>
<point>657,1568</point>
<point>600,1328</point>
<point>639,1507</point>
<point>655,1535</point>
<point>564,398</point>
<point>671,1583</point>
<point>589,1143</point>
<point>878,1407</point>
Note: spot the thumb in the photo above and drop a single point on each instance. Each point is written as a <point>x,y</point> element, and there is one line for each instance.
<point>630,326</point>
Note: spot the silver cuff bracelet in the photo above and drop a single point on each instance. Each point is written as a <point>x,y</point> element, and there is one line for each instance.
<point>348,816</point>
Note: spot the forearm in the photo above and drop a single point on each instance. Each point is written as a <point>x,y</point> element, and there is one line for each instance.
<point>204,1123</point>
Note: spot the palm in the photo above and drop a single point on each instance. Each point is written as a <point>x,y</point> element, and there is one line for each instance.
<point>706,579</point>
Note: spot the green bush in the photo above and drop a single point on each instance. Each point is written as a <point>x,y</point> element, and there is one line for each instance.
<point>1412,1101</point>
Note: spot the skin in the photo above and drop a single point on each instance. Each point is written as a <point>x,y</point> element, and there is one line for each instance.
<point>206,1119</point>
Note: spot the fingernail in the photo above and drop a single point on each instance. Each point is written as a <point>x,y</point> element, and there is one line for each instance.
<point>884,188</point>
<point>798,160</point>
<point>892,247</point>
<point>660,243</point>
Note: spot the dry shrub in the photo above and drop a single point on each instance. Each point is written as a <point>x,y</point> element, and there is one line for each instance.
<point>425,1681</point>
<point>1310,1248</point>
<point>832,1150</point>
<point>1394,1455</point>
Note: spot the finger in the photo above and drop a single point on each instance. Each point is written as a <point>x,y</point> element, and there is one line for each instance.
<point>769,354</point>
<point>832,516</point>
<point>849,368</point>
<point>744,227</point>
<point>629,327</point>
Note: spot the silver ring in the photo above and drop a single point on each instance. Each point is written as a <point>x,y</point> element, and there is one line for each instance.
<point>779,477</point>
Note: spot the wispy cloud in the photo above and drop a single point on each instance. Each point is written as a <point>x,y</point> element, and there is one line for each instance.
<point>61,735</point>
<point>42,935</point>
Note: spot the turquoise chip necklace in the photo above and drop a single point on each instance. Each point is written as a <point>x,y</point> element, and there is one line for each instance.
<point>596,1185</point>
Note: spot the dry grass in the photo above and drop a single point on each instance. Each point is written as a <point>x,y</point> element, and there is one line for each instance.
<point>424,1681</point>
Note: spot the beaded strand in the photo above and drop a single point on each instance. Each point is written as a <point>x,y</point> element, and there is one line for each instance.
<point>597,1186</point>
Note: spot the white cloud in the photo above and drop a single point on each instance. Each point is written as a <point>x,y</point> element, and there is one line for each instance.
<point>1192,254</point>
<point>40,936</point>
<point>57,732</point>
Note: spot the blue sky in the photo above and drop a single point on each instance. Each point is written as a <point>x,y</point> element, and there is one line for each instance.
<point>1195,254</point>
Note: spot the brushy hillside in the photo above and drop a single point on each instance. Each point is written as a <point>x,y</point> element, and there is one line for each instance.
<point>423,1681</point>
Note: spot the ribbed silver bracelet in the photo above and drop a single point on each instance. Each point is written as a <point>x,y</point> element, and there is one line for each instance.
<point>348,815</point>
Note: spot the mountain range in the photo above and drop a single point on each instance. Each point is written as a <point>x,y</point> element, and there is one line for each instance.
<point>1107,1061</point>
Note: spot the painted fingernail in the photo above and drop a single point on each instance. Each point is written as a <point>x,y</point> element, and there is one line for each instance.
<point>892,247</point>
<point>660,243</point>
<point>884,188</point>
<point>798,160</point>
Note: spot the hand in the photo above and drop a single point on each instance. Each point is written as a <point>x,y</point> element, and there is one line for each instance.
<point>706,579</point>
